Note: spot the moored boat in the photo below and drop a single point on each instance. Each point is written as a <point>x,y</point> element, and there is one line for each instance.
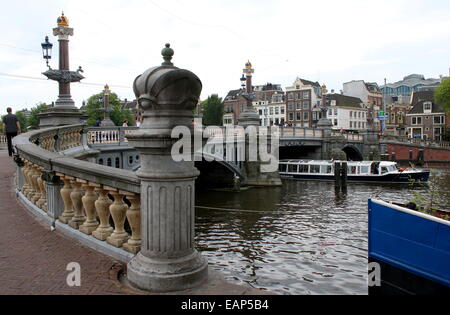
<point>411,248</point>
<point>365,171</point>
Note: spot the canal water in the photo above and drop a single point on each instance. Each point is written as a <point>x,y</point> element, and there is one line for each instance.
<point>302,238</point>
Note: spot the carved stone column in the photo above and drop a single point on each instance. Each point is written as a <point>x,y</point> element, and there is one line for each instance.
<point>134,219</point>
<point>168,260</point>
<point>42,201</point>
<point>89,198</point>
<point>34,180</point>
<point>68,213</point>
<point>26,186</point>
<point>118,211</point>
<point>102,205</point>
<point>76,195</point>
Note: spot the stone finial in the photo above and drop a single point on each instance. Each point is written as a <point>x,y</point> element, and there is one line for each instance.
<point>168,88</point>
<point>167,54</point>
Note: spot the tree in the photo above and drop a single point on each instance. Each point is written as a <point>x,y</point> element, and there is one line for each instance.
<point>22,120</point>
<point>442,95</point>
<point>33,119</point>
<point>213,111</point>
<point>118,115</point>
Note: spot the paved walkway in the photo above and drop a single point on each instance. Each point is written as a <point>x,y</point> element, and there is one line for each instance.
<point>33,260</point>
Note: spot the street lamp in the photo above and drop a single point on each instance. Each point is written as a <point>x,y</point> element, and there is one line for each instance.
<point>47,50</point>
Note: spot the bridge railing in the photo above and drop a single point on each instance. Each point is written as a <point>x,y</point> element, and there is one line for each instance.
<point>78,196</point>
<point>3,142</point>
<point>300,132</point>
<point>421,142</point>
<point>108,135</point>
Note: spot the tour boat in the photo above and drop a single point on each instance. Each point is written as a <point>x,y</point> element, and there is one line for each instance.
<point>410,249</point>
<point>366,171</point>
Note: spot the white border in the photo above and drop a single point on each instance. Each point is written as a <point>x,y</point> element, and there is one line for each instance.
<point>411,212</point>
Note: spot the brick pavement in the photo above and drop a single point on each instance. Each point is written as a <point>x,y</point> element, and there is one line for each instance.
<point>33,260</point>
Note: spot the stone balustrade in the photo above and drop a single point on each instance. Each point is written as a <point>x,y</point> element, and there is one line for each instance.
<point>101,202</point>
<point>3,141</point>
<point>108,135</point>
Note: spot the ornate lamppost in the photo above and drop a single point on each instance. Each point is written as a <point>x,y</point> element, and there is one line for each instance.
<point>107,122</point>
<point>249,117</point>
<point>64,112</point>
<point>324,122</point>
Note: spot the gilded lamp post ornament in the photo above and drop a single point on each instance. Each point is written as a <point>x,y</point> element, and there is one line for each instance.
<point>168,260</point>
<point>64,111</point>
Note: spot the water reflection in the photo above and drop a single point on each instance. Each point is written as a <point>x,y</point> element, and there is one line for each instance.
<point>302,238</point>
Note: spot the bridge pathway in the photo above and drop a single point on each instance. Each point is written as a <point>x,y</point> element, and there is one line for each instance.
<point>33,260</point>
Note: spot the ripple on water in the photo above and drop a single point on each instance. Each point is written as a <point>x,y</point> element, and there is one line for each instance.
<point>315,242</point>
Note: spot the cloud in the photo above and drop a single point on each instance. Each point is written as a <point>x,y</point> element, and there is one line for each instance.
<point>116,40</point>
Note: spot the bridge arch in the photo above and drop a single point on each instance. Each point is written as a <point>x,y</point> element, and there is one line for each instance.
<point>352,152</point>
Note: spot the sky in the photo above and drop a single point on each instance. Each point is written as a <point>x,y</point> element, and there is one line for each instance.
<point>328,41</point>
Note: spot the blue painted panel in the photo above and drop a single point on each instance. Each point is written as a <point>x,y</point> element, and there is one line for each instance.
<point>415,244</point>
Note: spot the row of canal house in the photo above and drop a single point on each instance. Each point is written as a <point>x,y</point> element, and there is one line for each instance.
<point>299,106</point>
<point>410,111</point>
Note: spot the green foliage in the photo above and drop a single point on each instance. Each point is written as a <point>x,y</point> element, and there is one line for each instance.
<point>95,104</point>
<point>213,111</point>
<point>23,121</point>
<point>435,198</point>
<point>33,119</point>
<point>442,95</point>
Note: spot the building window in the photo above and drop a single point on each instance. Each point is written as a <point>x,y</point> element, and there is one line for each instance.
<point>305,104</point>
<point>290,106</point>
<point>306,116</point>
<point>306,95</point>
<point>416,120</point>
<point>277,110</point>
<point>282,110</point>
<point>427,106</point>
<point>351,114</point>
<point>290,96</point>
<point>271,110</point>
<point>291,116</point>
<point>335,112</point>
<point>335,122</point>
<point>299,106</point>
<point>299,116</point>
<point>439,120</point>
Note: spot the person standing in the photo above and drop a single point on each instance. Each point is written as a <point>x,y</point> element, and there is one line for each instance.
<point>12,128</point>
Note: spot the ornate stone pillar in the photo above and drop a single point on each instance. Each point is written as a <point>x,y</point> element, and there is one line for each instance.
<point>168,260</point>
<point>89,198</point>
<point>68,213</point>
<point>118,210</point>
<point>102,205</point>
<point>134,219</point>
<point>42,201</point>
<point>34,179</point>
<point>76,195</point>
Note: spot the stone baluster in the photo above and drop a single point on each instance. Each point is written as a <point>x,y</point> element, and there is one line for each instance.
<point>42,202</point>
<point>34,181</point>
<point>102,205</point>
<point>29,174</point>
<point>66,191</point>
<point>134,219</point>
<point>26,186</point>
<point>118,210</point>
<point>76,196</point>
<point>89,199</point>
